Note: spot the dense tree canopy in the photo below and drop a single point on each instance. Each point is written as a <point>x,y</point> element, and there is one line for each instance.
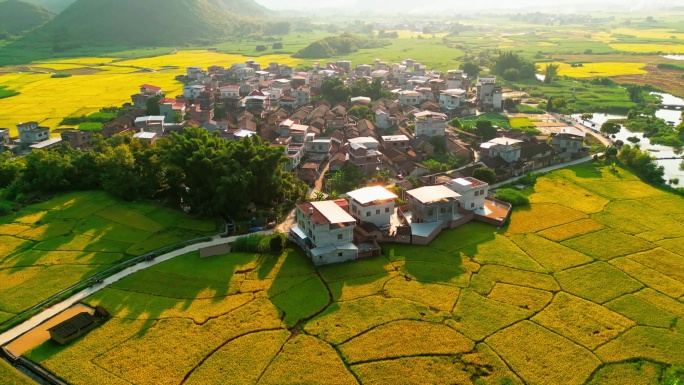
<point>197,170</point>
<point>513,67</point>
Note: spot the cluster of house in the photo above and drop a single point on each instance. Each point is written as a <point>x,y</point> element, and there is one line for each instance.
<point>275,103</point>
<point>339,230</point>
<point>32,136</point>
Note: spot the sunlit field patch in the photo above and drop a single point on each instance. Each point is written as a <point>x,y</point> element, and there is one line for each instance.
<point>598,282</point>
<point>404,339</point>
<point>600,69</point>
<point>544,357</point>
<point>582,321</point>
<point>571,230</point>
<point>649,48</point>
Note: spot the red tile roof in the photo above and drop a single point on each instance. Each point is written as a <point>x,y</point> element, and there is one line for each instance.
<point>150,87</point>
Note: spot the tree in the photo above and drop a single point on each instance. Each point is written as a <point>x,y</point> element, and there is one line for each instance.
<point>550,73</point>
<point>556,104</point>
<point>10,168</point>
<point>219,112</point>
<point>485,174</point>
<point>485,129</point>
<point>261,48</point>
<point>635,93</point>
<point>153,105</point>
<point>455,122</point>
<point>177,117</point>
<point>611,151</point>
<point>610,128</point>
<point>362,112</point>
<point>277,45</point>
<point>471,69</point>
<point>511,74</point>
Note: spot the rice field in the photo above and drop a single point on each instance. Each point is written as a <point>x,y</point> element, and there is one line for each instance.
<point>646,48</point>
<point>590,302</point>
<point>599,69</point>
<point>99,82</point>
<point>57,243</point>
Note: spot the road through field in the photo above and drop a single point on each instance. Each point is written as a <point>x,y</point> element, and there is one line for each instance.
<point>44,316</point>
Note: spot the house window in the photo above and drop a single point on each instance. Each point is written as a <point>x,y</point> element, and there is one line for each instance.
<point>377,212</point>
<point>339,236</point>
<point>442,210</point>
<point>472,205</point>
<point>368,213</point>
<point>387,209</point>
<point>431,212</point>
<point>339,254</point>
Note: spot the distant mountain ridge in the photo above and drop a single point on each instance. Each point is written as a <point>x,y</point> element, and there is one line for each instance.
<point>56,6</point>
<point>155,22</point>
<point>17,17</point>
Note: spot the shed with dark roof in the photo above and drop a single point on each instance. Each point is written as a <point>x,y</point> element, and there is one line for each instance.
<point>73,328</point>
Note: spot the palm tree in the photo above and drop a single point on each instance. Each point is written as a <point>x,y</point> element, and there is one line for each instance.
<point>550,73</point>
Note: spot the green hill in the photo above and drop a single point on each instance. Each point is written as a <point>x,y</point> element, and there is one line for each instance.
<point>149,22</point>
<point>17,17</point>
<point>56,6</point>
<point>339,45</point>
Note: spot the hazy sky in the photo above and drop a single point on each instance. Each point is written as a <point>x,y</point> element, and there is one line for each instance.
<point>411,6</point>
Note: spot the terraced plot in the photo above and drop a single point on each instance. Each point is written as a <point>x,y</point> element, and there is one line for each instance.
<point>560,296</point>
<point>56,244</point>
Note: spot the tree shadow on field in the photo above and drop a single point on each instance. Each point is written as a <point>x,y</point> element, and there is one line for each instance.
<point>587,171</point>
<point>176,284</point>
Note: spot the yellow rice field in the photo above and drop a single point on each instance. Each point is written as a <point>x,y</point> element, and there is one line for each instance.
<point>48,101</point>
<point>601,69</point>
<point>655,33</point>
<point>649,48</point>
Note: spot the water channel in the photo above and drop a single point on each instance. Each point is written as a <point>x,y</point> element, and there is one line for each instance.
<point>659,151</point>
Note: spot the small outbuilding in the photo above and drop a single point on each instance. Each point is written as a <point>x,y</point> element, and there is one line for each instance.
<point>72,328</point>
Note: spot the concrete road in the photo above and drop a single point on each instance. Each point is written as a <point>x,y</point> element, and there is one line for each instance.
<point>67,303</point>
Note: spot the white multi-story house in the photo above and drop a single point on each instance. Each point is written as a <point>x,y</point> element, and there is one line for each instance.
<point>506,148</point>
<point>399,142</point>
<point>372,205</point>
<point>366,141</point>
<point>430,124</point>
<point>194,72</point>
<point>568,140</point>
<point>230,92</point>
<point>473,192</point>
<point>303,95</point>
<point>409,98</point>
<point>433,204</point>
<point>193,91</point>
<point>244,73</point>
<point>455,79</point>
<point>4,139</point>
<point>326,231</point>
<point>488,94</point>
<point>451,99</point>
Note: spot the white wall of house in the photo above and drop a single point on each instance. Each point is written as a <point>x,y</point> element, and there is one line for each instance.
<point>449,101</point>
<point>336,256</point>
<point>430,127</point>
<point>472,198</point>
<point>378,214</point>
<point>321,235</point>
<point>509,153</point>
<point>434,212</point>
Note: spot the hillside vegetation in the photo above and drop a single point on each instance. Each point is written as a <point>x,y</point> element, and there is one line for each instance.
<point>339,45</point>
<point>56,6</point>
<point>151,22</point>
<point>17,17</point>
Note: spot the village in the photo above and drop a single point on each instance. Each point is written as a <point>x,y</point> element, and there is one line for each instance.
<point>397,135</point>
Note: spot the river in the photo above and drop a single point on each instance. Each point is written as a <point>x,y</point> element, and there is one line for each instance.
<point>671,165</point>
